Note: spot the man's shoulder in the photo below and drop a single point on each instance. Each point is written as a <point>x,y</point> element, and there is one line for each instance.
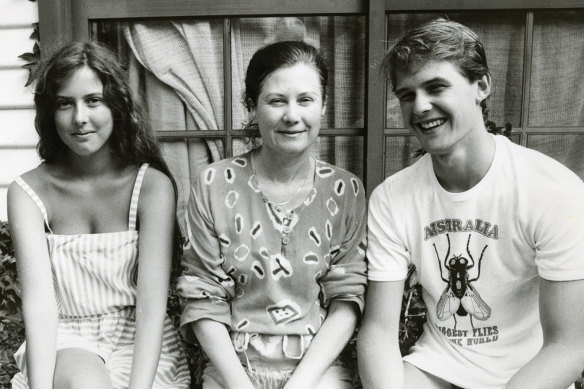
<point>400,190</point>
<point>536,167</point>
<point>407,179</point>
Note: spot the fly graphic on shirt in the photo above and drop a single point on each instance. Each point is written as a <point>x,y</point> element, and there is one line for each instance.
<point>460,296</point>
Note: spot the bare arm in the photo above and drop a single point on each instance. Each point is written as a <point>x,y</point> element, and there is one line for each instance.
<point>156,211</point>
<point>39,306</point>
<point>561,359</point>
<point>380,360</point>
<point>214,339</point>
<point>327,344</point>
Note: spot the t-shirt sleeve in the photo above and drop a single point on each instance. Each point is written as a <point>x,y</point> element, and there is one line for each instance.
<point>346,278</point>
<point>204,289</point>
<point>559,233</point>
<point>387,256</point>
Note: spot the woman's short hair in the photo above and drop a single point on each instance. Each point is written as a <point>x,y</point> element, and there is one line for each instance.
<point>438,40</point>
<point>275,56</point>
<point>131,138</point>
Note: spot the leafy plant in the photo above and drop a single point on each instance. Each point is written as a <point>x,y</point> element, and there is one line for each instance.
<point>9,291</point>
<point>32,59</point>
<point>11,327</point>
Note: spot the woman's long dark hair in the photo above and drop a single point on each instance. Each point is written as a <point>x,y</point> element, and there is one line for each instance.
<point>132,139</point>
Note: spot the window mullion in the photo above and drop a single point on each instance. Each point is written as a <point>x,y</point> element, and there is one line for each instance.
<point>227,87</point>
<point>375,97</point>
<point>527,65</point>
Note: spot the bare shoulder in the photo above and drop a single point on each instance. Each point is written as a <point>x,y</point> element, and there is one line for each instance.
<point>22,208</point>
<point>156,182</point>
<point>37,178</point>
<point>157,191</point>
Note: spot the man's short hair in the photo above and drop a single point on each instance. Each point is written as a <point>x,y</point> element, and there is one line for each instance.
<point>438,40</point>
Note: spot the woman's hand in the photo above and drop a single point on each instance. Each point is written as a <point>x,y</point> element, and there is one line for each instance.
<point>329,341</point>
<point>215,341</point>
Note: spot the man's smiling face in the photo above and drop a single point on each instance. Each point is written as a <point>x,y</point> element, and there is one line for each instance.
<point>440,105</point>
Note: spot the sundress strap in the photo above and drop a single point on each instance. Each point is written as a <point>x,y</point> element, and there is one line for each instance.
<point>135,197</point>
<point>36,199</point>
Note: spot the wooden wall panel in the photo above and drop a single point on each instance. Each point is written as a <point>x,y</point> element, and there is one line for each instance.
<point>3,211</point>
<point>16,162</point>
<point>12,90</point>
<point>14,43</point>
<point>17,129</point>
<point>18,12</point>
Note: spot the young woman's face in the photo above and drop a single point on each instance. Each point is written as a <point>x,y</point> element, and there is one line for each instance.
<point>289,108</point>
<point>83,120</point>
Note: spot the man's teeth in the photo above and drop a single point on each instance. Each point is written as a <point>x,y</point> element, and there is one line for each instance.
<point>433,123</point>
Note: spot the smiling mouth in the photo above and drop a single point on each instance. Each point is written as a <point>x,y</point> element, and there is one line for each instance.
<point>291,132</point>
<point>430,124</point>
<point>83,133</point>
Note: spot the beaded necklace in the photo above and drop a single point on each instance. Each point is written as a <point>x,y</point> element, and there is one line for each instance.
<point>264,197</point>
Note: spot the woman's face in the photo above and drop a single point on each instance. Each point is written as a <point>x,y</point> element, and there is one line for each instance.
<point>289,108</point>
<point>83,120</point>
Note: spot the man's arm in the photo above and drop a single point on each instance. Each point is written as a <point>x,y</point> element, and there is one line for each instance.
<point>561,359</point>
<point>380,360</point>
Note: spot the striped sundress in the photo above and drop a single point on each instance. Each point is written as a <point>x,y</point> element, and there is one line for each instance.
<point>94,276</point>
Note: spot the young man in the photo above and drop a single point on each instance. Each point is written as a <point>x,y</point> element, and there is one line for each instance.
<point>495,230</point>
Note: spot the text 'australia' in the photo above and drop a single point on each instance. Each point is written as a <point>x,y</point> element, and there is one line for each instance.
<point>457,225</point>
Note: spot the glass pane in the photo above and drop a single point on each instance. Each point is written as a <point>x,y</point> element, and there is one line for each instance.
<point>557,76</point>
<point>341,42</point>
<point>400,152</point>
<point>566,148</point>
<point>515,138</point>
<point>502,34</point>
<point>241,145</point>
<point>346,152</point>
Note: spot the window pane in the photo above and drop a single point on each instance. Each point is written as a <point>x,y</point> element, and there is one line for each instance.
<point>557,78</point>
<point>241,145</point>
<point>502,34</point>
<point>566,148</point>
<point>400,152</point>
<point>346,152</point>
<point>341,42</point>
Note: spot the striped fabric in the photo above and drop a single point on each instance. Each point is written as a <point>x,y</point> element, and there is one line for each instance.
<point>95,285</point>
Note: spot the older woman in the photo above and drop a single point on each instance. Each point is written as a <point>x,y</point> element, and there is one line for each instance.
<point>274,274</point>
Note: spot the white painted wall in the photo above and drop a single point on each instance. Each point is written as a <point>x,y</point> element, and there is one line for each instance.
<point>18,137</point>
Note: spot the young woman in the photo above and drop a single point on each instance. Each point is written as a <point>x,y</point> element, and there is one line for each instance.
<point>93,228</point>
<point>274,277</point>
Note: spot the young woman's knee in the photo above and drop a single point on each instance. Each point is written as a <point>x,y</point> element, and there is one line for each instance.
<point>80,369</point>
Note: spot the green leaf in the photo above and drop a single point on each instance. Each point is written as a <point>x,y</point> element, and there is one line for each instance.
<point>29,66</point>
<point>35,32</point>
<point>28,57</point>
<point>30,78</point>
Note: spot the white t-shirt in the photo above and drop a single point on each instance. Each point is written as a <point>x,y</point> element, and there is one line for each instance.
<point>524,219</point>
